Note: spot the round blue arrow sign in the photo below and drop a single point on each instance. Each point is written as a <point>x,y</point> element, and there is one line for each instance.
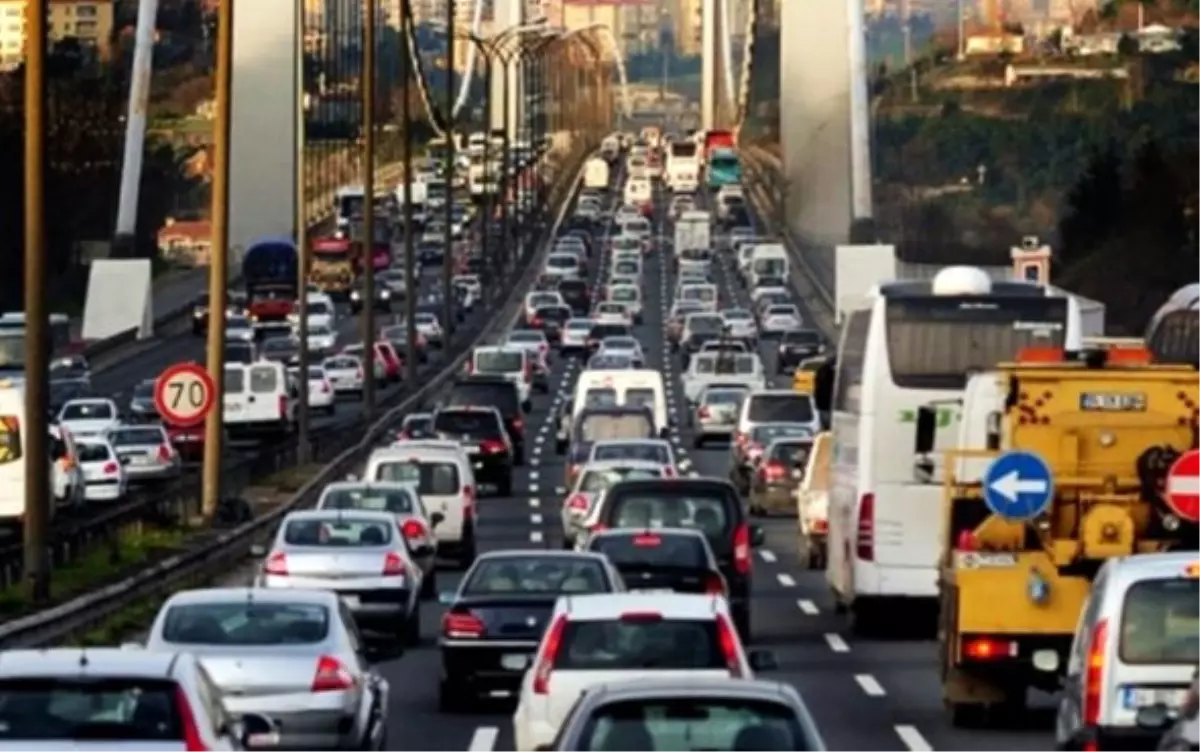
<point>1018,485</point>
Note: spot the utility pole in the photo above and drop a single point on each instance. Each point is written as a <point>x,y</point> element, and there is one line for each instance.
<point>368,226</point>
<point>37,340</point>
<point>302,245</point>
<point>218,260</point>
<point>448,307</point>
<point>410,261</point>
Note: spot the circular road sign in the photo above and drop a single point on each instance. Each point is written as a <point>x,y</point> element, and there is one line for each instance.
<point>1183,486</point>
<point>184,394</point>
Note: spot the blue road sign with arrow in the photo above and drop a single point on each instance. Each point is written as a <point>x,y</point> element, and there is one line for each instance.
<point>1018,485</point>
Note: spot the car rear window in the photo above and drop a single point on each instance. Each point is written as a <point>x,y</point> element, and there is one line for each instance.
<point>639,397</point>
<point>95,709</point>
<point>671,504</point>
<point>394,500</point>
<point>709,723</point>
<point>89,452</point>
<point>650,452</point>
<point>432,478</point>
<point>503,397</point>
<point>464,423</point>
<point>1159,622</point>
<point>780,407</point>
<point>794,453</point>
<point>239,624</point>
<point>499,361</point>
<point>600,398</point>
<point>642,642</point>
<point>537,574</point>
<point>599,480</point>
<point>137,436</point>
<point>652,549</point>
<point>342,531</point>
<point>614,426</point>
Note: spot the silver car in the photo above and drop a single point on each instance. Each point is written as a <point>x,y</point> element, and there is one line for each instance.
<point>417,524</point>
<point>740,324</point>
<point>146,452</point>
<point>100,698</point>
<point>716,411</point>
<point>756,714</point>
<point>575,335</point>
<point>361,556</point>
<point>345,372</point>
<point>291,656</point>
<point>590,484</point>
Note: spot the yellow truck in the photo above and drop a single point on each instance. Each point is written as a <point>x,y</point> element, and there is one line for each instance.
<point>1013,577</point>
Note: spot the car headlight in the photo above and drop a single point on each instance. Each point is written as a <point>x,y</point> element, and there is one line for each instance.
<point>354,295</point>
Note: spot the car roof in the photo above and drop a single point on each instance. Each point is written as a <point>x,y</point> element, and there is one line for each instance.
<point>608,606</point>
<point>84,662</point>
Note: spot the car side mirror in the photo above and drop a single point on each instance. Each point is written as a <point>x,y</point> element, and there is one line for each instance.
<point>254,730</point>
<point>762,660</point>
<point>446,597</point>
<point>436,519</point>
<point>258,551</point>
<point>926,430</point>
<point>758,536</point>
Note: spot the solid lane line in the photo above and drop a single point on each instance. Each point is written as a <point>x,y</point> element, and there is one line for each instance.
<point>484,739</point>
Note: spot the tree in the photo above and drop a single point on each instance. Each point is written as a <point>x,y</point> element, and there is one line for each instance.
<point>1094,206</point>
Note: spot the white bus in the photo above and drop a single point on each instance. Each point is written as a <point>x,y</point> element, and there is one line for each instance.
<point>915,343</point>
<point>682,174</point>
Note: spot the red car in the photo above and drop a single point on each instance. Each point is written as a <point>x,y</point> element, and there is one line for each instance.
<point>393,364</point>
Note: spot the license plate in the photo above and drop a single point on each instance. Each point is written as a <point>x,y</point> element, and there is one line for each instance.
<point>351,601</point>
<point>1143,697</point>
<point>514,662</point>
<point>139,459</point>
<point>269,739</point>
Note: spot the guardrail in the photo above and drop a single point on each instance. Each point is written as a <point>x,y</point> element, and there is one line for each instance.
<point>320,208</point>
<point>342,448</point>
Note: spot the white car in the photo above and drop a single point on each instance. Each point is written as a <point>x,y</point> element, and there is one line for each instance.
<point>779,319</point>
<point>595,639</point>
<point>470,282</point>
<point>627,346</point>
<point>740,324</point>
<point>541,299</point>
<point>345,373</point>
<point>612,313</point>
<point>658,451</point>
<point>89,416</point>
<point>321,312</point>
<point>532,340</point>
<point>428,326</point>
<point>238,328</point>
<point>322,339</point>
<point>575,334</point>
<point>321,395</point>
<point>104,476</point>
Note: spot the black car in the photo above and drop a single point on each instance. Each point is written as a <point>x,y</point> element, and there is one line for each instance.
<point>577,295</point>
<point>497,392</point>
<point>677,559</point>
<point>383,298</point>
<point>496,619</point>
<point>482,433</point>
<point>795,346</point>
<point>709,505</point>
<point>141,405</point>
<point>551,320</point>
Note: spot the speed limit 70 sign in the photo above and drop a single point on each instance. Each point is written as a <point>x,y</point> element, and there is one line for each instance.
<point>184,394</point>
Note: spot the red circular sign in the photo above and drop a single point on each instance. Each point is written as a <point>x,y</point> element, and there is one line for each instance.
<point>1183,486</point>
<point>184,394</point>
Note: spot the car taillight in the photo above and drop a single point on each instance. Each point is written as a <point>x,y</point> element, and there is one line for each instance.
<point>730,647</point>
<point>468,494</point>
<point>714,584</point>
<point>741,549</point>
<point>331,676</point>
<point>773,472</point>
<point>1093,675</point>
<point>326,388</point>
<point>393,565</point>
<point>545,665</point>
<point>111,468</point>
<point>165,453</point>
<point>518,425</point>
<point>647,541</point>
<point>704,412</point>
<point>865,538</point>
<point>536,321</point>
<point>599,527</point>
<point>742,438</point>
<point>578,503</point>
<point>754,450</point>
<point>470,367</point>
<point>668,471</point>
<point>460,626</point>
<point>413,529</point>
<point>192,739</point>
<point>276,564</point>
<point>283,405</point>
<point>493,446</point>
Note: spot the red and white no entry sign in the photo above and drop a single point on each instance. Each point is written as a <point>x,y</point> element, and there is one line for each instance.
<point>1183,486</point>
<point>184,394</point>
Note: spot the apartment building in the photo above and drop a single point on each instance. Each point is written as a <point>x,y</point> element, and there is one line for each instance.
<point>90,22</point>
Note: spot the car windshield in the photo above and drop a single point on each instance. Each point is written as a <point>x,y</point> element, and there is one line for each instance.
<point>246,623</point>
<point>648,644</point>
<point>87,411</point>
<point>705,324</point>
<point>580,325</point>
<point>765,434</point>
<point>136,436</point>
<point>536,574</point>
<point>780,407</point>
<point>1159,622</point>
<point>526,338</point>
<point>710,723</point>
<point>370,499</point>
<point>341,531</point>
<point>646,451</point>
<point>614,425</point>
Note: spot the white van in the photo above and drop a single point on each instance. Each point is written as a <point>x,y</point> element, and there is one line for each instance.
<point>67,484</point>
<point>768,260</point>
<point>623,388</point>
<point>443,476</point>
<point>595,174</point>
<point>638,192</point>
<point>513,363</point>
<point>259,399</point>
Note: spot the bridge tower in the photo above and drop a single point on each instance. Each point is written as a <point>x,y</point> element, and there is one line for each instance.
<point>715,110</point>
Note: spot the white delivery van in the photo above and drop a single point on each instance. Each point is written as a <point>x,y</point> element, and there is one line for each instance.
<point>67,484</point>
<point>629,387</point>
<point>259,399</point>
<point>596,174</point>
